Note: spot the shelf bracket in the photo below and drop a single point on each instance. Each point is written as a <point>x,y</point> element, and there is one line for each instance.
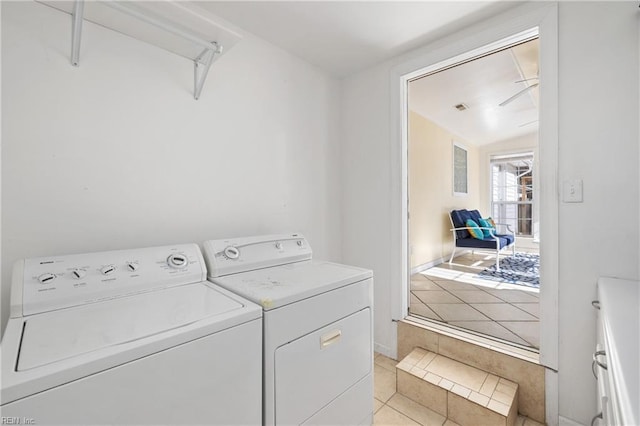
<point>202,62</point>
<point>201,65</point>
<point>76,31</point>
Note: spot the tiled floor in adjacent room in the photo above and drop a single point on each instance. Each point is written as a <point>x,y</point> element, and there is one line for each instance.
<point>392,408</point>
<point>455,295</point>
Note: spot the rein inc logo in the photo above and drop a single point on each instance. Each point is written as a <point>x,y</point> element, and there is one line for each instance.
<point>17,421</point>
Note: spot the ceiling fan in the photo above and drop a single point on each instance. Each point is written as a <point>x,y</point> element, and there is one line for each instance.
<point>521,92</point>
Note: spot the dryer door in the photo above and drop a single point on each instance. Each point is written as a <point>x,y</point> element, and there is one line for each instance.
<point>315,369</point>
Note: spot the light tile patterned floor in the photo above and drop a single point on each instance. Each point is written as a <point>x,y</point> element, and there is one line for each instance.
<point>455,295</point>
<point>392,408</point>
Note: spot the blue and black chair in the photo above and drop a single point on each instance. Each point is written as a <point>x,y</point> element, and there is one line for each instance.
<point>471,231</point>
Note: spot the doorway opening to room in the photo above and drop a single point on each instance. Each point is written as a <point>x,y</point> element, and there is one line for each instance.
<point>472,142</point>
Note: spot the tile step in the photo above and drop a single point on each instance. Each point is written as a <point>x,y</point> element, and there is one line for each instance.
<point>465,395</point>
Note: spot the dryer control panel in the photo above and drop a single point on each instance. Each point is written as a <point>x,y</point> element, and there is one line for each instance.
<point>235,255</point>
<point>49,283</point>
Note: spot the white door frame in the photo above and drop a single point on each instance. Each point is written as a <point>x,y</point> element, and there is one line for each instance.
<point>476,39</point>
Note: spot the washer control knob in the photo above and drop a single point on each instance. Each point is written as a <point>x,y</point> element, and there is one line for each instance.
<point>279,245</point>
<point>78,273</point>
<point>108,270</point>
<point>232,252</point>
<point>177,260</point>
<point>299,242</point>
<point>133,266</point>
<point>47,278</point>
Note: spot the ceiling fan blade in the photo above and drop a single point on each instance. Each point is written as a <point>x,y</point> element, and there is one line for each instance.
<point>526,124</point>
<point>520,93</point>
<point>526,79</point>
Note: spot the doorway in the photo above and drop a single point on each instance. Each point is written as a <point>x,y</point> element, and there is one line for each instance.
<point>541,19</point>
<point>472,144</point>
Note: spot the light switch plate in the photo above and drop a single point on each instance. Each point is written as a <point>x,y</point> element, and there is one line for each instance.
<point>572,191</point>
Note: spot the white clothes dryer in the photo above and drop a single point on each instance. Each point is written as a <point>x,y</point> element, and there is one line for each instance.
<point>318,345</point>
<point>129,337</point>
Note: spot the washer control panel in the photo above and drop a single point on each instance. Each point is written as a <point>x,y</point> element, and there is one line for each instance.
<point>230,256</point>
<point>48,283</point>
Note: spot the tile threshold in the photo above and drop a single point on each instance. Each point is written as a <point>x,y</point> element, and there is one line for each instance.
<point>527,354</point>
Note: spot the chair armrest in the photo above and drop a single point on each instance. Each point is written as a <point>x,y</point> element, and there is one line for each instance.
<point>507,225</point>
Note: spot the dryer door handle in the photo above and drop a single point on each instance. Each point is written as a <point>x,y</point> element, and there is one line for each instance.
<point>330,338</point>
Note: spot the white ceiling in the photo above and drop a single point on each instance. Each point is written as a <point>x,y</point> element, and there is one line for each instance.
<point>483,84</point>
<point>344,37</point>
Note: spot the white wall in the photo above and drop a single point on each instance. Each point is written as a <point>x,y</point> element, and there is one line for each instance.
<point>599,144</point>
<point>117,153</point>
<point>366,226</point>
<point>598,77</point>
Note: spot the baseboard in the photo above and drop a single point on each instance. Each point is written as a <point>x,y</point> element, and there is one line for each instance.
<point>428,265</point>
<point>425,266</point>
<point>551,397</point>
<point>384,350</point>
<point>563,421</point>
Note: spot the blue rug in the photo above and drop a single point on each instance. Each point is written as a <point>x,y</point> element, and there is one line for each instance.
<point>521,269</point>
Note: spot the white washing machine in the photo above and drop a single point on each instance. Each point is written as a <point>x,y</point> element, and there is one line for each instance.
<point>318,345</point>
<point>129,337</point>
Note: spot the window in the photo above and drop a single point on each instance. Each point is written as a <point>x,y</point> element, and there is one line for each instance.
<point>512,191</point>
